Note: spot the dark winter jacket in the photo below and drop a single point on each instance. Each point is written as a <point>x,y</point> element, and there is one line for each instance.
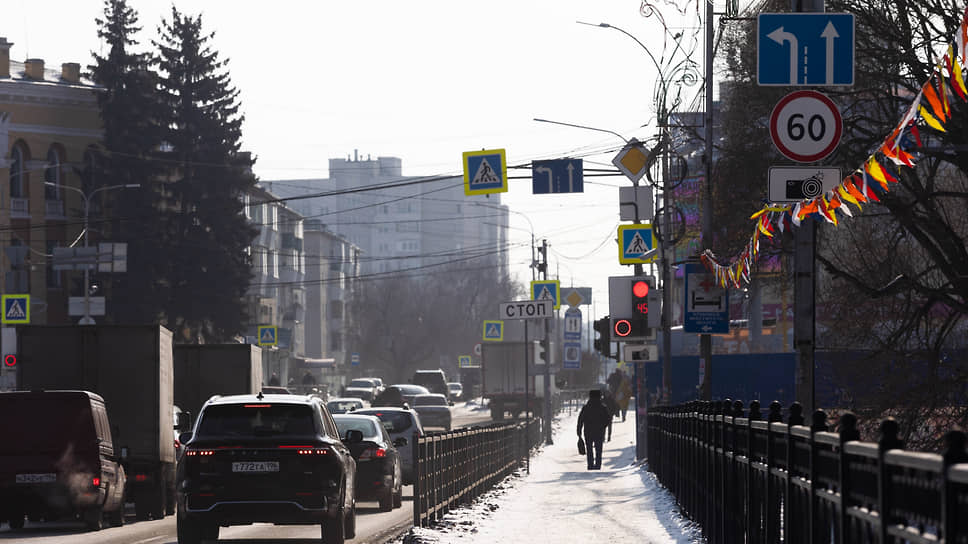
<point>595,418</point>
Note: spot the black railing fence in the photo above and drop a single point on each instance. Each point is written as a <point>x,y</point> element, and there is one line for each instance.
<point>748,477</point>
<point>458,466</point>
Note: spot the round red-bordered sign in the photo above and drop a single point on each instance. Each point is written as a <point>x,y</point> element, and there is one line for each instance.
<point>806,126</point>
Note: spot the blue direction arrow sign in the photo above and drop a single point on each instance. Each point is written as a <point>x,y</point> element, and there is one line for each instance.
<point>557,176</point>
<point>805,49</point>
<point>547,290</point>
<point>572,329</point>
<point>485,172</point>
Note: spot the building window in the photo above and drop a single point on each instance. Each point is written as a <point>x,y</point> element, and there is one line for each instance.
<point>275,264</point>
<point>52,175</point>
<point>17,173</point>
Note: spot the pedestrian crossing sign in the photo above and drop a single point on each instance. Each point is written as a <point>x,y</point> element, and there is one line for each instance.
<point>464,361</point>
<point>268,336</point>
<point>16,309</point>
<point>634,242</point>
<point>485,172</point>
<point>494,331</point>
<point>547,290</point>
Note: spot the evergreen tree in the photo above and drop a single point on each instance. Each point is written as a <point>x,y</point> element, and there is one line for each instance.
<point>129,112</point>
<point>209,267</point>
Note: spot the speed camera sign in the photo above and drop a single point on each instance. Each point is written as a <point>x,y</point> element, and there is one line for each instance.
<point>806,126</point>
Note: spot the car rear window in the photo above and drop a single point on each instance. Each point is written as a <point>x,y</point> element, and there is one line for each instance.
<point>337,406</point>
<point>45,424</point>
<point>256,419</point>
<point>361,383</point>
<point>394,422</point>
<point>367,427</point>
<point>429,400</point>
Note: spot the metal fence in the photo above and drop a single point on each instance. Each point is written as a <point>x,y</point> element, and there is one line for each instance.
<point>744,477</point>
<point>458,466</point>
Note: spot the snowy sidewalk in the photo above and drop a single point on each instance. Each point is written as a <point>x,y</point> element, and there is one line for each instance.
<point>562,502</point>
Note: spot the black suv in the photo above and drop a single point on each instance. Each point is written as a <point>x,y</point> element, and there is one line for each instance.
<point>269,459</point>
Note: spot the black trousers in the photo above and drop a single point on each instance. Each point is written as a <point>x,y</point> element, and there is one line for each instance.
<point>593,449</point>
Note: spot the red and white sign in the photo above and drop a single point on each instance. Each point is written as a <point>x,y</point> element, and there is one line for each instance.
<point>806,126</point>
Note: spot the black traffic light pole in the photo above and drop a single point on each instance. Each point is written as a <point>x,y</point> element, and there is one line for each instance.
<point>546,343</point>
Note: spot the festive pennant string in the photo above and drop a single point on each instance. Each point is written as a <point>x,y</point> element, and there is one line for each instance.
<point>931,107</point>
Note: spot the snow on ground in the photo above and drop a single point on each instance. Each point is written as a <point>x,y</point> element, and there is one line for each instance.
<point>561,502</point>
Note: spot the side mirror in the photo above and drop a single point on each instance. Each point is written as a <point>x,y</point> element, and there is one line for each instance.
<point>185,437</point>
<point>124,453</point>
<point>353,436</point>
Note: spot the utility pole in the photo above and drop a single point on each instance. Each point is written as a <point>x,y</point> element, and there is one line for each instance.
<point>705,340</point>
<point>547,352</point>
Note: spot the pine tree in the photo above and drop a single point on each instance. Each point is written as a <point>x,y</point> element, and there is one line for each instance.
<point>210,269</point>
<point>132,136</point>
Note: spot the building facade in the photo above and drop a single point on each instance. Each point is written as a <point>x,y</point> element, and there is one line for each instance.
<point>49,127</point>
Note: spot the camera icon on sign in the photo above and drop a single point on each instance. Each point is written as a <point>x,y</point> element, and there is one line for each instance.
<point>800,189</point>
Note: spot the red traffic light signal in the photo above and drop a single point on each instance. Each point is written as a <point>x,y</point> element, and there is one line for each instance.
<point>622,328</point>
<point>10,360</point>
<point>640,300</point>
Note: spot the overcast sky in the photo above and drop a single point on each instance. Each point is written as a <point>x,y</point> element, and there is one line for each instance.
<point>424,81</point>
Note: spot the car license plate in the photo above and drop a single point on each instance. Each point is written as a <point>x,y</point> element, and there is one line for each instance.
<point>45,478</point>
<point>256,466</point>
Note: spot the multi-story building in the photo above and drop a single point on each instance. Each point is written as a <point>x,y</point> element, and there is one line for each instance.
<point>277,295</point>
<point>49,127</point>
<point>401,223</point>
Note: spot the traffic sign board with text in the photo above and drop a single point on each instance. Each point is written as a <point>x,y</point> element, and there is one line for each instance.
<point>707,303</point>
<point>527,309</point>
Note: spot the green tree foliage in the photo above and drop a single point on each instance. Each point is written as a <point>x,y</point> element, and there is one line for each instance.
<point>129,111</point>
<point>209,269</point>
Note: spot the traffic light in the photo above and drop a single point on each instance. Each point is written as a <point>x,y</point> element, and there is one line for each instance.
<point>540,355</point>
<point>603,344</point>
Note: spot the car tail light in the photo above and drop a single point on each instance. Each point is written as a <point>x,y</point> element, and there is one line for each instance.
<point>312,451</point>
<point>373,453</point>
<point>199,453</point>
<point>96,482</point>
<point>141,477</point>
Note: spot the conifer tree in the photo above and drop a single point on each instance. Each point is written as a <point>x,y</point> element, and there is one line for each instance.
<point>209,268</point>
<point>129,113</point>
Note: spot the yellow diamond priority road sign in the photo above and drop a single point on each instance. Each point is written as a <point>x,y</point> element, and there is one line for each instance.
<point>632,160</point>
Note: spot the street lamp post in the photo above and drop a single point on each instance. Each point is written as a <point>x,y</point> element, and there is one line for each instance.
<point>87,319</point>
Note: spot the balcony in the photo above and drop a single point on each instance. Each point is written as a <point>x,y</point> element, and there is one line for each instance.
<point>54,209</point>
<point>19,208</point>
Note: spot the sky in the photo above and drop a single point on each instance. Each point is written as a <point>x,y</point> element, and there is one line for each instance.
<point>562,502</point>
<point>425,81</point>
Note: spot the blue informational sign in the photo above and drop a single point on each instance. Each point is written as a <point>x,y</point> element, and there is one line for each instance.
<point>805,49</point>
<point>355,359</point>
<point>572,355</point>
<point>572,330</point>
<point>557,176</point>
<point>707,304</point>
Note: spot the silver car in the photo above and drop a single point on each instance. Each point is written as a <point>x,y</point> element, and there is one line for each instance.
<point>400,423</point>
<point>434,410</point>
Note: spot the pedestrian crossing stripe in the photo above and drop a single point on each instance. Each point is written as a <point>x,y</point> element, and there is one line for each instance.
<point>485,172</point>
<point>547,290</point>
<point>494,330</point>
<point>268,336</point>
<point>16,309</point>
<point>634,241</point>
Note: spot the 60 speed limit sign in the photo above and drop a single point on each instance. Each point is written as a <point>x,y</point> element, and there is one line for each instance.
<point>806,126</point>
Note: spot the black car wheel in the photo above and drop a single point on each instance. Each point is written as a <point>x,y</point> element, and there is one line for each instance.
<point>17,520</point>
<point>116,518</point>
<point>398,496</point>
<point>386,499</point>
<point>350,524</point>
<point>333,531</point>
<point>94,518</point>
<point>189,532</point>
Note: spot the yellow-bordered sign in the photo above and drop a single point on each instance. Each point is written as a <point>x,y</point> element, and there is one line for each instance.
<point>268,335</point>
<point>485,172</point>
<point>493,330</point>
<point>16,309</point>
<point>547,290</point>
<point>634,244</point>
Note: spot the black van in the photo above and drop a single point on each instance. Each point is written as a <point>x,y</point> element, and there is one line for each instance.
<point>434,380</point>
<point>57,459</point>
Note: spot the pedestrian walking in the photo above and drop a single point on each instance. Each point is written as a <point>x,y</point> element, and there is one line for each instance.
<point>594,418</point>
